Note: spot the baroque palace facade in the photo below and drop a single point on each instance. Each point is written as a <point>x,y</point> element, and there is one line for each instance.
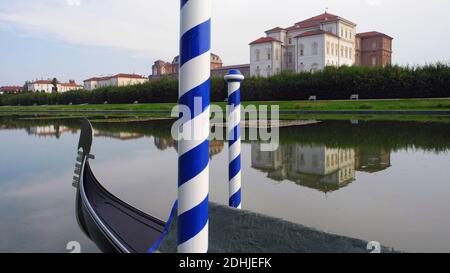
<point>320,41</point>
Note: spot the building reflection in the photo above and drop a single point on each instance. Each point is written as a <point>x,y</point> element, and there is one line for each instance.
<point>372,160</point>
<point>317,166</point>
<point>117,135</point>
<point>50,131</point>
<point>215,146</point>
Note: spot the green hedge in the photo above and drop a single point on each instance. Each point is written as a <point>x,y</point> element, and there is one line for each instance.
<point>430,81</point>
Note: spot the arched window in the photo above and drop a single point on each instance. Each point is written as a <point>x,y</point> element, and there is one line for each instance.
<point>301,67</point>
<point>268,70</point>
<point>315,48</point>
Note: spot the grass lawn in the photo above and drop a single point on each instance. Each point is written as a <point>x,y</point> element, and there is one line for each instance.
<point>401,104</point>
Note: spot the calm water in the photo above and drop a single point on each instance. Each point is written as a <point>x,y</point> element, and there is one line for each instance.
<point>382,181</point>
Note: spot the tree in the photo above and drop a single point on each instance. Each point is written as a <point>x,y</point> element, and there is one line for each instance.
<point>55,85</point>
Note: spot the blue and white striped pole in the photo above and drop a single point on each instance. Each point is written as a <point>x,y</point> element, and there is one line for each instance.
<point>194,93</point>
<point>234,78</point>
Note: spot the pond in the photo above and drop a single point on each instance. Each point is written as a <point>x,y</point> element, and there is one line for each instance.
<point>385,181</point>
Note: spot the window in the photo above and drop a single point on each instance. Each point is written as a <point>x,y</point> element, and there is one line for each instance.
<point>301,67</point>
<point>290,57</point>
<point>374,45</point>
<point>290,40</point>
<point>301,49</point>
<point>257,52</point>
<point>342,32</point>
<point>258,71</point>
<point>328,48</point>
<point>346,33</point>
<point>342,51</point>
<point>332,48</point>
<point>374,60</point>
<point>337,49</point>
<point>315,161</point>
<point>346,52</point>
<point>315,48</point>
<point>268,54</point>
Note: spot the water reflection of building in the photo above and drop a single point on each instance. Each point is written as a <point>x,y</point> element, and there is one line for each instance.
<point>372,160</point>
<point>215,146</point>
<point>317,166</point>
<point>49,131</point>
<point>164,143</point>
<point>117,135</point>
<point>313,166</point>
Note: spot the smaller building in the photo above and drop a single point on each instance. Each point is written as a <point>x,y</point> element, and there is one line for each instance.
<point>115,80</point>
<point>373,49</point>
<point>165,69</point>
<point>46,86</point>
<point>222,71</point>
<point>11,90</point>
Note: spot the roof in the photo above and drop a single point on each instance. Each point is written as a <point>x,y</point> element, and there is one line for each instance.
<point>11,88</point>
<point>263,40</point>
<point>120,75</point>
<point>314,32</point>
<point>71,84</point>
<point>320,18</point>
<point>312,22</point>
<point>43,82</point>
<point>275,29</point>
<point>324,17</point>
<point>370,34</point>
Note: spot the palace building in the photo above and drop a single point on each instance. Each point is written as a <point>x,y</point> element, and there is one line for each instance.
<point>317,42</point>
<point>170,69</point>
<point>115,80</point>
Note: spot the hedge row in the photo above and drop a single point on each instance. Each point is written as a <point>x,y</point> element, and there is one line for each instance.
<point>430,81</point>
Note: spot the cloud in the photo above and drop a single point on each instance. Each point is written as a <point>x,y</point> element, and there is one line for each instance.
<point>133,25</point>
<point>374,2</point>
<point>74,2</point>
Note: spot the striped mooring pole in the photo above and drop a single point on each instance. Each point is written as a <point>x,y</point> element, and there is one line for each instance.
<point>234,79</point>
<point>193,153</point>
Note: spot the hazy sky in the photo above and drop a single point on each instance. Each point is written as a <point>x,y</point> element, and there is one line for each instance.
<point>77,39</point>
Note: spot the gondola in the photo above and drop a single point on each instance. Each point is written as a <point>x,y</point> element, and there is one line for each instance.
<point>113,225</point>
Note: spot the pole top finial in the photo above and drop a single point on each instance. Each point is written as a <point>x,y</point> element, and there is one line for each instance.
<point>234,75</point>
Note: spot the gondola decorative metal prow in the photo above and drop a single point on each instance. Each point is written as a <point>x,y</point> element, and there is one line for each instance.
<point>84,149</point>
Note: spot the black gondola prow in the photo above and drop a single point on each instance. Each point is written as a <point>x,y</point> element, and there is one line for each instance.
<point>84,149</point>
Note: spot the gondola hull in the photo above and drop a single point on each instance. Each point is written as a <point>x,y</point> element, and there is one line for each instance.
<point>113,225</point>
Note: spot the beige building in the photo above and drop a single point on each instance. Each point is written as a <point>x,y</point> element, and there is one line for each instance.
<point>46,86</point>
<point>115,80</point>
<point>314,166</point>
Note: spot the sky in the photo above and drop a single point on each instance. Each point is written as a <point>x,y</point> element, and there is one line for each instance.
<point>78,39</point>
